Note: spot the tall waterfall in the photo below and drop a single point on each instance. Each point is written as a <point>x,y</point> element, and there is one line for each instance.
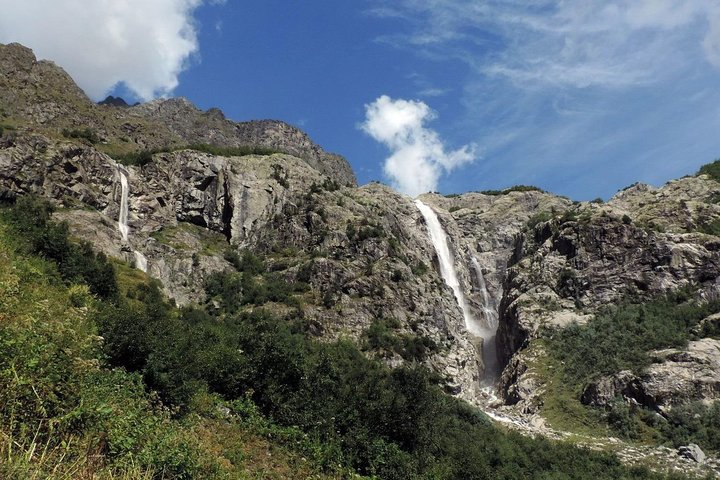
<point>140,260</point>
<point>439,238</point>
<point>123,218</point>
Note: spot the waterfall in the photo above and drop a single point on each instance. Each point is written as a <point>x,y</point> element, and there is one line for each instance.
<point>489,312</point>
<point>140,260</point>
<point>490,323</point>
<point>123,218</point>
<point>439,239</point>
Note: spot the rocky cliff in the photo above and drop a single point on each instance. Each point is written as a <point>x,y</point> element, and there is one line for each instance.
<point>529,262</point>
<point>40,96</point>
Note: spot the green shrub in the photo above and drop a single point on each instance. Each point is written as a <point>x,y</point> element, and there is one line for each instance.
<point>419,269</point>
<point>620,337</point>
<point>711,227</point>
<point>538,218</point>
<point>143,157</point>
<point>712,169</point>
<point>31,220</point>
<point>84,134</point>
<point>239,151</point>
<point>514,188</point>
<point>137,159</point>
<point>280,176</point>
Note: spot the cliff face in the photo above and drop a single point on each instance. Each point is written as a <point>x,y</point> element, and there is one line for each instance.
<point>525,259</point>
<point>40,96</point>
<point>642,243</point>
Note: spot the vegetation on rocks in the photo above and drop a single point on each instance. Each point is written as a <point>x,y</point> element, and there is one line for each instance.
<point>712,169</point>
<point>143,157</point>
<point>621,339</point>
<point>75,405</point>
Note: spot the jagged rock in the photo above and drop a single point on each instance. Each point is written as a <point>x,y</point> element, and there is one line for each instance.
<point>681,206</point>
<point>45,98</point>
<point>603,391</point>
<point>692,452</point>
<point>684,375</point>
<point>114,101</point>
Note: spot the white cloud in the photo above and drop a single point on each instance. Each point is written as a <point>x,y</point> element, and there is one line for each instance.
<point>582,97</point>
<point>144,44</point>
<point>418,157</point>
<point>577,44</point>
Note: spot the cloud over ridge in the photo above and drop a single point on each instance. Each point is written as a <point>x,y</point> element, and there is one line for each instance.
<point>143,44</point>
<point>418,156</point>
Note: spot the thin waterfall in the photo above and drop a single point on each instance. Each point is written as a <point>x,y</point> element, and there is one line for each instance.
<point>123,227</point>
<point>439,239</point>
<point>490,320</point>
<point>140,261</point>
<point>123,217</point>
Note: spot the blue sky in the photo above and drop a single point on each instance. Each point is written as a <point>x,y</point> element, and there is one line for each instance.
<point>581,98</point>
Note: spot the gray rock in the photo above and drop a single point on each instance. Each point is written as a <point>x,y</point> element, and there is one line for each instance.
<point>602,392</point>
<point>692,452</point>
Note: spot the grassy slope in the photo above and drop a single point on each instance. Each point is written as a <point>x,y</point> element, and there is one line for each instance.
<point>62,415</point>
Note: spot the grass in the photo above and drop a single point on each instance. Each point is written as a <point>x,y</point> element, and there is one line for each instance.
<point>128,155</point>
<point>180,237</point>
<point>561,405</point>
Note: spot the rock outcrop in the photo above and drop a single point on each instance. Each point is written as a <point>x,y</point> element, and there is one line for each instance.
<point>40,96</point>
<point>676,377</point>
<point>568,267</point>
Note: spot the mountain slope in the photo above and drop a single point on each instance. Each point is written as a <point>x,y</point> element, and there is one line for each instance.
<point>206,197</point>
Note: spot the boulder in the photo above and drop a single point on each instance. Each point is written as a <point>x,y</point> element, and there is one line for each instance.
<point>692,452</point>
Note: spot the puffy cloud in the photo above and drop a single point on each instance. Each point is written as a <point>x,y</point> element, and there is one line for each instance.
<point>418,157</point>
<point>143,44</point>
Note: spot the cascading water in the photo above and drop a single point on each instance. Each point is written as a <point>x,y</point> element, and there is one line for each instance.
<point>140,260</point>
<point>123,217</point>
<point>490,319</point>
<point>439,239</point>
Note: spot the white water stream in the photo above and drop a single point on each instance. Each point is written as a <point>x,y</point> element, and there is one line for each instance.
<point>439,239</point>
<point>123,217</point>
<point>123,227</point>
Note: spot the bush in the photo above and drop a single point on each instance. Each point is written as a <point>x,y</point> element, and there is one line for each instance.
<point>419,269</point>
<point>84,134</point>
<point>538,218</point>
<point>137,159</point>
<point>143,157</point>
<point>712,169</point>
<point>30,218</point>
<point>514,188</point>
<point>620,337</point>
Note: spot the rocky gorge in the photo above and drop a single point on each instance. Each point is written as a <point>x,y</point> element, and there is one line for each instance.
<point>527,263</point>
